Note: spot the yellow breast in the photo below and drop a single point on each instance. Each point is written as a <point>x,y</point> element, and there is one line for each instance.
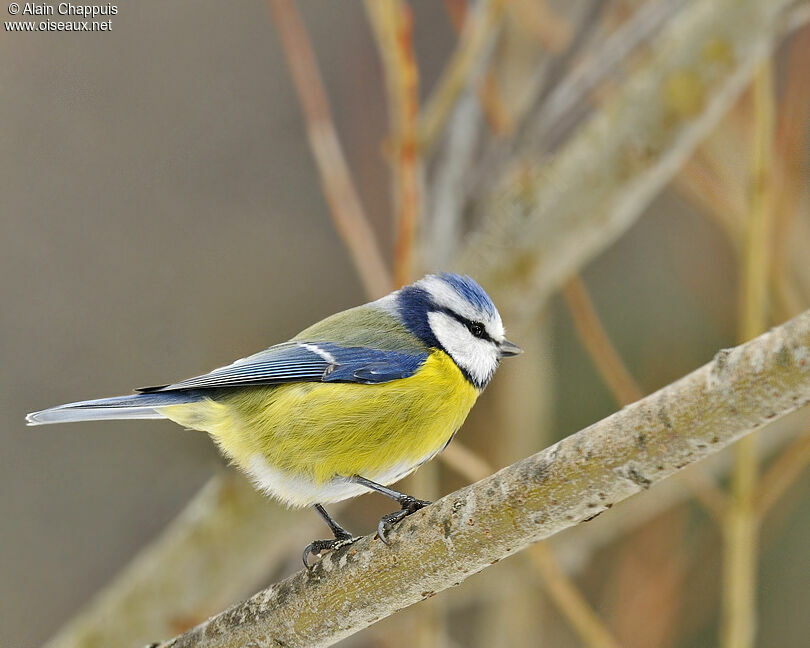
<point>304,436</point>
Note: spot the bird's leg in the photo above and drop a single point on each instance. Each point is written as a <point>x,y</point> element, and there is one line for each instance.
<point>408,503</point>
<point>342,537</point>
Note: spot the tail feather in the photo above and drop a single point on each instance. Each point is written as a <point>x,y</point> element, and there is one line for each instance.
<point>135,406</point>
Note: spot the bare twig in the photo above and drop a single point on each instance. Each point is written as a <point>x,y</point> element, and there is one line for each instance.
<point>740,530</point>
<point>551,30</point>
<point>464,68</point>
<point>706,492</point>
<point>624,154</point>
<point>568,99</point>
<point>791,151</point>
<point>741,390</point>
<point>465,462</point>
<point>457,12</point>
<point>444,229</point>
<point>347,212</point>
<point>549,78</point>
<point>698,182</point>
<point>621,383</point>
<point>392,22</point>
<point>597,343</point>
<point>569,600</point>
<point>781,474</point>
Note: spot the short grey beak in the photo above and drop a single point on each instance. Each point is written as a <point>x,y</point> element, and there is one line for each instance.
<point>507,349</point>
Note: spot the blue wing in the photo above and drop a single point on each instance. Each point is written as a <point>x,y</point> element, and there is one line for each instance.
<point>306,362</point>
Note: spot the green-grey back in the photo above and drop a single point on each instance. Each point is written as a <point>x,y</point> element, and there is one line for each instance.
<point>367,325</point>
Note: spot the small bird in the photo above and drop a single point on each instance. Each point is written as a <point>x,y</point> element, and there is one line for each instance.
<point>353,403</point>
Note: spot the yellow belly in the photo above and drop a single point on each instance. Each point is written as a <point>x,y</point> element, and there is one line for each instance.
<point>308,436</point>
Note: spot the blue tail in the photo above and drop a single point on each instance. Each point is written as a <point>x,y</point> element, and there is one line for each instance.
<point>136,406</point>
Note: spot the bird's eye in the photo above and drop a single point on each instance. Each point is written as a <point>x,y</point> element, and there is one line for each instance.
<point>477,329</point>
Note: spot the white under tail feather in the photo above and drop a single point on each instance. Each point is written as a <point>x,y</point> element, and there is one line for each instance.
<point>59,415</point>
<point>136,406</point>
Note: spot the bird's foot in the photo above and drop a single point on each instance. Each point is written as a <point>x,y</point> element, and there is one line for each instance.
<point>317,547</point>
<point>409,505</point>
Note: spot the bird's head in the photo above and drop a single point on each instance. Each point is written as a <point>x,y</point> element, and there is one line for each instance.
<point>453,313</point>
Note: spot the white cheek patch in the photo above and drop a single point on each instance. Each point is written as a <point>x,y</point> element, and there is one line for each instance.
<point>477,357</point>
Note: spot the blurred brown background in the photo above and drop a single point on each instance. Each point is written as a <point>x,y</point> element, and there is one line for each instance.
<point>161,215</point>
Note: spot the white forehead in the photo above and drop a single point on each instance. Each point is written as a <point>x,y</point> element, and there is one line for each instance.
<point>448,297</point>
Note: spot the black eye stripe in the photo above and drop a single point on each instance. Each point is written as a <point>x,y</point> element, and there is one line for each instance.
<point>476,328</point>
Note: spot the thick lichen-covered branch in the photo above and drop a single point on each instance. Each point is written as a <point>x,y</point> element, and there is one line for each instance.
<point>739,391</point>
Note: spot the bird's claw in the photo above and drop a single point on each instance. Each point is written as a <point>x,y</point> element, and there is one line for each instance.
<point>316,547</point>
<point>409,505</point>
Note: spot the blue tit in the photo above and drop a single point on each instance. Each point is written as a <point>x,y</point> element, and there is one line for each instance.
<point>353,403</point>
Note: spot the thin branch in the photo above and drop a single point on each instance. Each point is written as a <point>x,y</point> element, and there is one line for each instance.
<point>791,151</point>
<point>781,474</point>
<point>347,212</point>
<point>699,183</point>
<point>144,611</point>
<point>392,22</point>
<point>740,531</point>
<point>706,492</point>
<point>457,12</point>
<point>552,218</point>
<point>741,390</point>
<point>569,600</point>
<point>443,233</point>
<point>622,384</point>
<point>550,78</point>
<point>492,103</point>
<point>758,235</point>
<point>566,99</point>
<point>552,31</point>
<point>465,66</point>
<point>465,462</point>
<point>597,343</point>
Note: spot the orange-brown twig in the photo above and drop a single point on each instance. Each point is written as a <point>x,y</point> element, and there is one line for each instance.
<point>621,383</point>
<point>344,202</point>
<point>783,472</point>
<point>597,343</point>
<point>569,600</point>
<point>392,22</point>
<point>699,183</point>
<point>790,149</point>
<point>457,12</point>
<point>552,30</point>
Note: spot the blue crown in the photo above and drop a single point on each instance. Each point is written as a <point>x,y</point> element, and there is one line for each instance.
<point>468,288</point>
